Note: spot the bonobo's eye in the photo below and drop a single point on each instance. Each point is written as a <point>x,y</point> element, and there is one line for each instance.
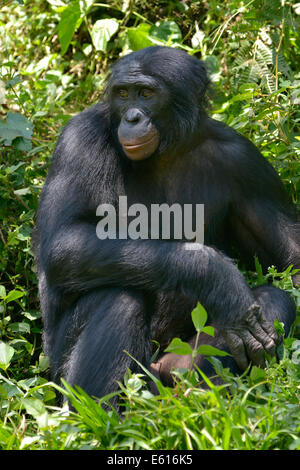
<point>123,93</point>
<point>147,93</point>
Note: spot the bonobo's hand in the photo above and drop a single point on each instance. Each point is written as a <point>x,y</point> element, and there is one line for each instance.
<point>251,338</point>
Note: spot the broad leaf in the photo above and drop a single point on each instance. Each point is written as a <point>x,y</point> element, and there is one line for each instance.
<point>13,295</point>
<point>70,20</point>
<point>102,32</point>
<point>207,350</point>
<point>257,374</point>
<point>34,406</point>
<point>2,292</point>
<point>209,330</point>
<point>179,347</point>
<point>6,354</point>
<point>138,38</point>
<point>166,32</point>
<point>199,317</point>
<point>16,126</point>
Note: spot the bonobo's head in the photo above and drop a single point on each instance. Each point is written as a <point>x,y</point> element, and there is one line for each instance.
<point>156,98</point>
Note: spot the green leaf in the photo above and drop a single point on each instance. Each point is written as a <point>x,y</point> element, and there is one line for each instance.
<point>18,121</point>
<point>166,32</point>
<point>279,327</point>
<point>43,362</point>
<point>22,144</point>
<point>6,354</point>
<point>34,406</point>
<point>70,20</point>
<point>257,374</point>
<point>199,317</point>
<point>209,330</point>
<point>22,192</point>
<point>102,32</point>
<point>258,268</point>
<point>138,38</point>
<point>179,347</point>
<point>57,4</point>
<point>32,315</point>
<point>134,383</point>
<point>14,81</point>
<point>207,350</point>
<point>85,5</point>
<point>16,126</point>
<point>2,292</point>
<point>13,295</point>
<point>28,440</point>
<point>19,327</point>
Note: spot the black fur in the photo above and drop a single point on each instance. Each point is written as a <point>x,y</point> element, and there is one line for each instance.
<point>100,298</point>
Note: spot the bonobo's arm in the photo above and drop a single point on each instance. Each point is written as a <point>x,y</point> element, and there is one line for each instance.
<point>78,261</point>
<point>275,236</point>
<point>263,218</point>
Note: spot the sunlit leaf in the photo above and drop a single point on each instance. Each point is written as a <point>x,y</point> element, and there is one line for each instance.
<point>138,38</point>
<point>257,374</point>
<point>177,346</point>
<point>13,295</point>
<point>167,32</point>
<point>70,20</point>
<point>207,350</point>
<point>102,32</point>
<point>16,125</point>
<point>2,292</point>
<point>199,317</point>
<point>6,354</point>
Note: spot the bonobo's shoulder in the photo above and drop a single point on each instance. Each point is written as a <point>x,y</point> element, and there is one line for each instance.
<point>85,134</point>
<point>230,145</point>
<point>223,134</point>
<point>241,159</point>
<point>92,119</point>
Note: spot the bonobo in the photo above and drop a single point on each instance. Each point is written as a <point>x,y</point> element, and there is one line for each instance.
<point>151,140</point>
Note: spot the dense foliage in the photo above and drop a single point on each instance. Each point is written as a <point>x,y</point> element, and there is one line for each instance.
<point>54,59</point>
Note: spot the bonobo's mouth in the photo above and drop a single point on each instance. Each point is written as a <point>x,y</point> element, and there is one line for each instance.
<point>136,146</point>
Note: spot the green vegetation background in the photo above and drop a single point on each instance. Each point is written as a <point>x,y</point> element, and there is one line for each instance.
<point>54,57</point>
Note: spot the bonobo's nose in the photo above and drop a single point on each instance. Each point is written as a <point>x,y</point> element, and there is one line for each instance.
<point>133,115</point>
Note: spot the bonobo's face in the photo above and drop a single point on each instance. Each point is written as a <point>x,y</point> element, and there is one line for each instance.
<point>136,99</point>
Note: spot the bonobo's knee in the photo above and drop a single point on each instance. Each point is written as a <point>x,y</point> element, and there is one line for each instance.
<point>276,304</point>
<point>112,302</point>
<point>128,300</point>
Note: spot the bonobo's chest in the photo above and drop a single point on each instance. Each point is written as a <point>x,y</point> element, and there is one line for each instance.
<point>186,193</point>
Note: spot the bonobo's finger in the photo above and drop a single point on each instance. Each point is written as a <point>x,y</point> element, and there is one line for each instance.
<point>255,318</point>
<point>254,348</point>
<point>270,330</point>
<point>237,349</point>
<point>262,337</point>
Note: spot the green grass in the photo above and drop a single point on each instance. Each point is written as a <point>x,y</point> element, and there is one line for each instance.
<point>258,411</point>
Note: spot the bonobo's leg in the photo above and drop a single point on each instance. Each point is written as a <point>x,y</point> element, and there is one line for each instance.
<point>115,322</point>
<point>275,303</point>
